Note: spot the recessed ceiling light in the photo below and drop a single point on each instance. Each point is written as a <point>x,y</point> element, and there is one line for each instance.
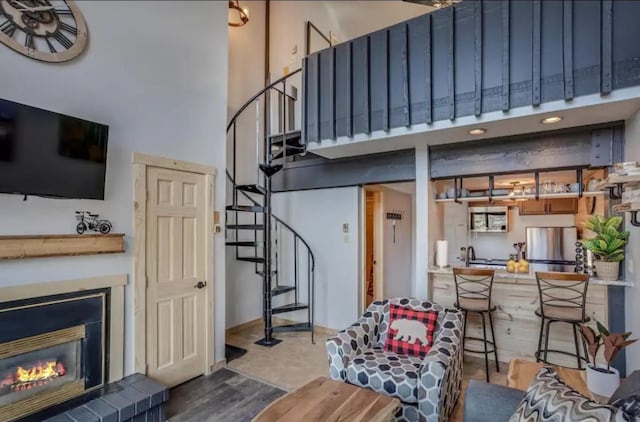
<point>550,120</point>
<point>478,131</point>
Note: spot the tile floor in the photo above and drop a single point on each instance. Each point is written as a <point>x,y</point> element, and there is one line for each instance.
<point>296,361</point>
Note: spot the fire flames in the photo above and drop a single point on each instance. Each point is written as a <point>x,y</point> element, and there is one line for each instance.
<point>33,376</point>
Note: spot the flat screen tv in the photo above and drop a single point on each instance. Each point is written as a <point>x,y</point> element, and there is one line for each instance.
<point>49,154</point>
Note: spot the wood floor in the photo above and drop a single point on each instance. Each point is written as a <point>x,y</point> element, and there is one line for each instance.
<point>224,396</point>
<point>296,361</point>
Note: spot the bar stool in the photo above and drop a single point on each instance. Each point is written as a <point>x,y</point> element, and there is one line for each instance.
<point>563,298</point>
<point>473,294</point>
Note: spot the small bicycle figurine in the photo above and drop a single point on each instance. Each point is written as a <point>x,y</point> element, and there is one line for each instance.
<point>88,221</point>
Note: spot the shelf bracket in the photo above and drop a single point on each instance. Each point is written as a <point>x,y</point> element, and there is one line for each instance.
<point>592,207</point>
<point>580,185</point>
<point>634,218</point>
<point>615,192</point>
<point>491,184</point>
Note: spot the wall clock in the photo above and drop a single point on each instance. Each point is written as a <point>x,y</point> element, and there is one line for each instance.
<point>50,31</point>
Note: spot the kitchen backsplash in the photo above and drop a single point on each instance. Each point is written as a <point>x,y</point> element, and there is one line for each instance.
<point>500,245</point>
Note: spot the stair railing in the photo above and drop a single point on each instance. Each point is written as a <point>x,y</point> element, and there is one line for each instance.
<point>233,122</point>
<point>232,177</point>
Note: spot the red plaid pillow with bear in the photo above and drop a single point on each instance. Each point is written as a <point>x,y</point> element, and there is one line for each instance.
<point>410,332</point>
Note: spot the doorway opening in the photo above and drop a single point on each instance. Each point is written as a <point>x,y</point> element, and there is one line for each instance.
<point>373,246</point>
<point>387,241</point>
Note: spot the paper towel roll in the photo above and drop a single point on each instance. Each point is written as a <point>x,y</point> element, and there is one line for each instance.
<point>442,253</point>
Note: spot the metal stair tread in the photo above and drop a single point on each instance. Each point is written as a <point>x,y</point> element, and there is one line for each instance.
<point>270,169</point>
<point>291,150</point>
<point>251,189</point>
<point>276,138</point>
<point>245,208</point>
<point>261,273</point>
<point>296,306</point>
<point>246,243</point>
<point>256,259</point>
<point>279,290</point>
<point>245,226</point>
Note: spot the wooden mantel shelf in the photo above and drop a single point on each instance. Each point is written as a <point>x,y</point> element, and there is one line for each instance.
<point>48,245</point>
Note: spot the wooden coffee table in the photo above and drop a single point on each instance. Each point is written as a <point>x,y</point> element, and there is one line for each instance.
<point>521,373</point>
<point>327,400</point>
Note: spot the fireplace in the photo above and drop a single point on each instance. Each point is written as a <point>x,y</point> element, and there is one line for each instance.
<point>38,371</point>
<point>52,349</point>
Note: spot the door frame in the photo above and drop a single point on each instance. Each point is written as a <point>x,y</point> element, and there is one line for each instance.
<point>140,163</point>
<point>378,246</point>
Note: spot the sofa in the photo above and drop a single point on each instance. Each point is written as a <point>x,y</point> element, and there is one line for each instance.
<point>494,403</point>
<point>428,387</point>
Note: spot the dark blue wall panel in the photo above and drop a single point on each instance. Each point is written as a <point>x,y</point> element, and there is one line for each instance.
<point>475,57</point>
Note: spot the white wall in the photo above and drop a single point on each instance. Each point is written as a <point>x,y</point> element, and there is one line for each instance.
<point>162,92</point>
<point>318,216</point>
<point>346,19</point>
<point>426,223</point>
<point>455,229</point>
<point>632,294</point>
<point>246,78</point>
<point>398,254</point>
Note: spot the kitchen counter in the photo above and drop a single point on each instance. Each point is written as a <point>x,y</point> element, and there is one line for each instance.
<point>528,278</point>
<point>517,326</point>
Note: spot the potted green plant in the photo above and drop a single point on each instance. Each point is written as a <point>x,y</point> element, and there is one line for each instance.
<point>607,245</point>
<point>603,380</point>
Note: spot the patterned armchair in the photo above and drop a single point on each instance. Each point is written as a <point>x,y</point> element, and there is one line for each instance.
<point>427,387</point>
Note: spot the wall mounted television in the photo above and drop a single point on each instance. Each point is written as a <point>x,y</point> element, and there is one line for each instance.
<point>49,154</point>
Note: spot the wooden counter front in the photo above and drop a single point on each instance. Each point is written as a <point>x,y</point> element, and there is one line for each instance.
<point>517,326</point>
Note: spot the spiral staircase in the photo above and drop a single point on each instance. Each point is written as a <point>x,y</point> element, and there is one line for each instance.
<point>258,236</point>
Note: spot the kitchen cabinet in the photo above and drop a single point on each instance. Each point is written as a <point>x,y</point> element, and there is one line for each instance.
<point>549,206</point>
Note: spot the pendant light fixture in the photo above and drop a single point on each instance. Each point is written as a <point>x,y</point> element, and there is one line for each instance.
<point>238,16</point>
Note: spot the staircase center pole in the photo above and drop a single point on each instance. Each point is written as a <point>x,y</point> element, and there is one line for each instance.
<point>268,328</point>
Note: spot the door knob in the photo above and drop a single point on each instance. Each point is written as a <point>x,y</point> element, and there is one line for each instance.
<point>200,285</point>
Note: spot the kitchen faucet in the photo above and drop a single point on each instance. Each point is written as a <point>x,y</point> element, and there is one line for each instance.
<point>471,254</point>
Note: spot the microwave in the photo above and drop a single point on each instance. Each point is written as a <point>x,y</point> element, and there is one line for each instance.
<point>489,219</point>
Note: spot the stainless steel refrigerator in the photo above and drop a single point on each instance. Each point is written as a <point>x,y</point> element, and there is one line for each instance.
<point>551,248</point>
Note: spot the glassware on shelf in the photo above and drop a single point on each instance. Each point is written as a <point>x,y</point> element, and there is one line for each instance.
<point>547,187</point>
<point>560,189</point>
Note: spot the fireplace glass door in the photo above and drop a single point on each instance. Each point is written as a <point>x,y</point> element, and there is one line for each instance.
<point>40,371</point>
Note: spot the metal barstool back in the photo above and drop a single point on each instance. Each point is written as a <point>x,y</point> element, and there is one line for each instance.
<point>473,294</point>
<point>563,298</point>
<point>473,288</point>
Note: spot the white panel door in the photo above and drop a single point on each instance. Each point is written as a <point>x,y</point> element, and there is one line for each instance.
<point>176,285</point>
